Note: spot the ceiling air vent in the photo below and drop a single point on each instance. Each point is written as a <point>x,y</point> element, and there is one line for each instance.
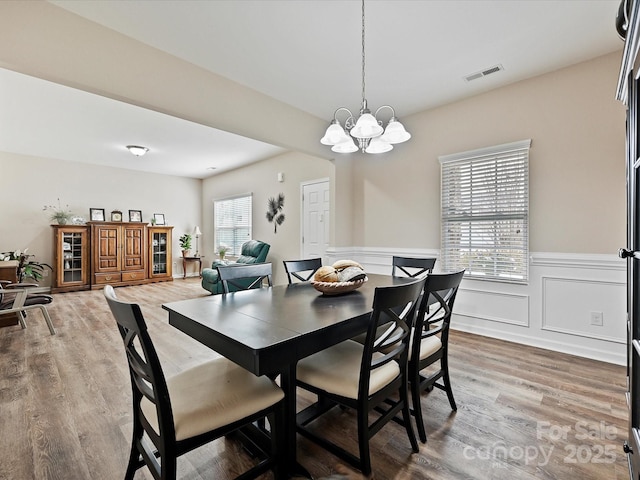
<point>484,73</point>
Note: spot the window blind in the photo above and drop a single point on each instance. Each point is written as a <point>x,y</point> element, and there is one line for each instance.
<point>485,212</point>
<point>232,222</point>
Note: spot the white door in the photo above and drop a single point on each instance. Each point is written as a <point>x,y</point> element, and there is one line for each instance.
<point>315,219</point>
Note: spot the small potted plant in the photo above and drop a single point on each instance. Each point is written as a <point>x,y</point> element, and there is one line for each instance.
<point>222,251</point>
<point>185,244</point>
<point>59,214</point>
<point>26,268</point>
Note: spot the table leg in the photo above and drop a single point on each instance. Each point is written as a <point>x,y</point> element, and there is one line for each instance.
<point>184,267</point>
<point>288,385</point>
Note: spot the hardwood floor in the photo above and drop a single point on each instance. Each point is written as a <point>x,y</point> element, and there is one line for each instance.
<point>523,413</point>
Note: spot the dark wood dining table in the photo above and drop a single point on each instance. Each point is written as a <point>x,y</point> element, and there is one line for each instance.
<point>268,330</point>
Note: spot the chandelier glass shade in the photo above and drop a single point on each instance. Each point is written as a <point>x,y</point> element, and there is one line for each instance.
<point>365,133</point>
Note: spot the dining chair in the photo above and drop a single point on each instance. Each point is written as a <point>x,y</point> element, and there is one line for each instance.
<point>15,299</point>
<point>301,270</point>
<point>172,416</point>
<point>430,341</point>
<point>411,267</point>
<point>244,277</point>
<point>369,378</point>
<point>406,267</point>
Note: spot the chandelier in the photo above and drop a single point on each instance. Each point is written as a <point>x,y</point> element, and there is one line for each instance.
<point>366,133</point>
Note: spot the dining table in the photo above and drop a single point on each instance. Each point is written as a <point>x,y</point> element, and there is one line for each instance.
<point>268,330</point>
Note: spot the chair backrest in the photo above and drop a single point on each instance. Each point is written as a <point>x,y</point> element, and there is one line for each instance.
<point>411,267</point>
<point>302,270</point>
<point>393,309</point>
<point>147,377</point>
<point>244,277</point>
<point>436,307</point>
<point>253,251</point>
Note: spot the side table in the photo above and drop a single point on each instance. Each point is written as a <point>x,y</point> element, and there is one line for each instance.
<point>186,260</point>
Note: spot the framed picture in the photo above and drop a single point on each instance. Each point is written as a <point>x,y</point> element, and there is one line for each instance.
<point>159,218</point>
<point>116,216</point>
<point>96,214</point>
<point>135,215</point>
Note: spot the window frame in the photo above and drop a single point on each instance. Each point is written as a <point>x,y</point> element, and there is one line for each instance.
<point>235,247</point>
<point>477,204</point>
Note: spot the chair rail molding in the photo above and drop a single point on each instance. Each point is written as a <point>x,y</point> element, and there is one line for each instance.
<point>578,260</point>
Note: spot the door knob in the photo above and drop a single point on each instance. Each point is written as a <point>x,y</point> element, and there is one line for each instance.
<point>624,253</point>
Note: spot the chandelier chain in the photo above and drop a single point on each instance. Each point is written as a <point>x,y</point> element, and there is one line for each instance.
<point>365,133</point>
<point>363,95</point>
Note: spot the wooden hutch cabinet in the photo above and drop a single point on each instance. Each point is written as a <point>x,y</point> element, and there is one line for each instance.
<point>116,253</point>
<point>70,258</point>
<point>119,253</point>
<point>159,249</point>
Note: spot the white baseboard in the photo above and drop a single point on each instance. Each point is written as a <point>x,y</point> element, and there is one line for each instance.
<point>601,353</point>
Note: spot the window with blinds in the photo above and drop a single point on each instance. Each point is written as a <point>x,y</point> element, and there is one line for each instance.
<point>232,223</point>
<point>485,212</point>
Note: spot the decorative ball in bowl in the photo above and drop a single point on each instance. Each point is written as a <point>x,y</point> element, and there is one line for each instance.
<point>338,288</point>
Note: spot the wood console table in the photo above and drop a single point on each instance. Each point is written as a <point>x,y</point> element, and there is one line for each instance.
<point>186,260</point>
<point>8,272</point>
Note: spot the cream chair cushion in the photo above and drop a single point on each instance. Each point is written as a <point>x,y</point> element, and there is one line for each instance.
<point>337,370</point>
<point>428,346</point>
<point>212,395</point>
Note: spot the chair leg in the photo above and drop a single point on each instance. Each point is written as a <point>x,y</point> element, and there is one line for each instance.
<point>447,383</point>
<point>134,455</point>
<point>417,407</point>
<point>406,415</point>
<point>169,467</point>
<point>132,466</point>
<point>47,319</point>
<point>363,441</point>
<point>21,319</point>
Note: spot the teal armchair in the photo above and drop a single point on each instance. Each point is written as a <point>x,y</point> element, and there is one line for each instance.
<point>253,251</point>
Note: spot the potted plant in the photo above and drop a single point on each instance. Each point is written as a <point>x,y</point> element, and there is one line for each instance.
<point>185,244</point>
<point>26,268</point>
<point>222,251</point>
<point>59,214</point>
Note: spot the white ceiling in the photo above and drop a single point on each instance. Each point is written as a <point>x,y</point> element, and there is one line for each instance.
<point>306,53</point>
<point>49,120</point>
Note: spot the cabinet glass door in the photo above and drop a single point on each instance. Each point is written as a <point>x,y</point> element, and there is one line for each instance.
<point>159,255</point>
<point>72,248</point>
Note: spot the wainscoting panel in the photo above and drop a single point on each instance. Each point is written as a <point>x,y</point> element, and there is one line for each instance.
<point>568,304</point>
<point>552,311</point>
<point>504,307</point>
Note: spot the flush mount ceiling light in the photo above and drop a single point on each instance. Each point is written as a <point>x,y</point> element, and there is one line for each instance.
<point>367,129</point>
<point>137,150</point>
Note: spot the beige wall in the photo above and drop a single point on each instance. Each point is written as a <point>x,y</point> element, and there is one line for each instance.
<point>261,181</point>
<point>577,173</point>
<point>29,183</point>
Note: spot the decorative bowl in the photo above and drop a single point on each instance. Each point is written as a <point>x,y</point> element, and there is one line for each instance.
<point>337,288</point>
